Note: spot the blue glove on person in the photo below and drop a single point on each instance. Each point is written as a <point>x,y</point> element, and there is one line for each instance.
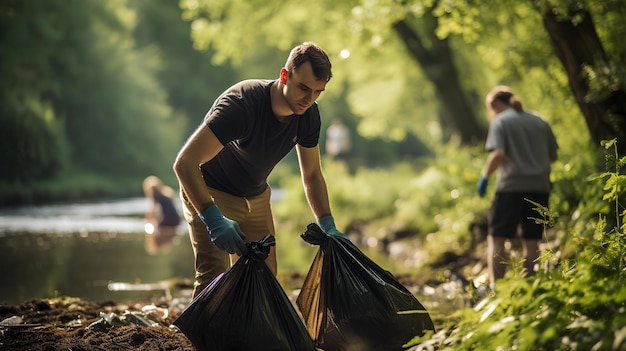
<point>225,233</point>
<point>327,223</point>
<point>482,186</point>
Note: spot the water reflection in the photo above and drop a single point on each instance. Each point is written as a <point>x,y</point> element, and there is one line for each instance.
<point>82,265</point>
<point>124,216</point>
<point>77,249</point>
<point>118,216</point>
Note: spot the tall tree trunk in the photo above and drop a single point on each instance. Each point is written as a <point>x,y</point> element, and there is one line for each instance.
<point>577,44</point>
<point>437,63</point>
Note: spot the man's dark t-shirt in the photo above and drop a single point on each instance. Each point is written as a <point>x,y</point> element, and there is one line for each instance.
<point>254,139</point>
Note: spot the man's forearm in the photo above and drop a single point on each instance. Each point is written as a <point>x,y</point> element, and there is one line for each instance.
<point>317,196</point>
<point>192,184</point>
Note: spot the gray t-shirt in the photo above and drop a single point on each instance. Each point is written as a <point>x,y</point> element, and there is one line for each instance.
<point>254,139</point>
<point>528,142</point>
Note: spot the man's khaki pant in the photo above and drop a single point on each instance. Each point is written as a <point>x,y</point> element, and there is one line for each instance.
<point>254,216</point>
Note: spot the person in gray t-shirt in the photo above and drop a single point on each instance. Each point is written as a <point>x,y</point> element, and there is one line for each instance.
<point>522,147</point>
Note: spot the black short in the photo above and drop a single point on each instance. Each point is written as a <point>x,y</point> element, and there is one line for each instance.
<point>512,209</point>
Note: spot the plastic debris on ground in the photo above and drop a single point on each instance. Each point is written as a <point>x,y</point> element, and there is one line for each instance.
<point>13,320</point>
<point>109,320</point>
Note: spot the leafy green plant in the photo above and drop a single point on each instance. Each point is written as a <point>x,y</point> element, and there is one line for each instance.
<point>615,182</point>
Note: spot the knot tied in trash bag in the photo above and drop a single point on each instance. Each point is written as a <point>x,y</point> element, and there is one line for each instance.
<point>314,235</point>
<point>259,250</point>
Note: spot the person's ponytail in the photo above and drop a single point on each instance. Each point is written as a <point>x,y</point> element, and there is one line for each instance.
<point>516,104</point>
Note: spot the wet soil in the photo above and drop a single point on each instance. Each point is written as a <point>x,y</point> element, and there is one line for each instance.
<point>76,325</point>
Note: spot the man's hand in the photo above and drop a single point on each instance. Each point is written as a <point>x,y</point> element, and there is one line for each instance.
<point>327,223</point>
<point>482,186</point>
<point>225,233</point>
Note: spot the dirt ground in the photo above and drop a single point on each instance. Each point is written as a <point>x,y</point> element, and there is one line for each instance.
<point>66,324</point>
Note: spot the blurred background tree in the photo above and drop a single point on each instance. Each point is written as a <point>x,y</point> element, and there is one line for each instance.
<point>81,97</point>
<point>387,39</point>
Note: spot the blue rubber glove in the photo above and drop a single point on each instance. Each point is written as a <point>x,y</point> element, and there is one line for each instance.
<point>482,186</point>
<point>225,233</point>
<point>327,223</point>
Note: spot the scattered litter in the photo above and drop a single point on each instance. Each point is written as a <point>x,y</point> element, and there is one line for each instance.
<point>109,320</point>
<point>75,323</point>
<point>155,313</point>
<point>11,321</point>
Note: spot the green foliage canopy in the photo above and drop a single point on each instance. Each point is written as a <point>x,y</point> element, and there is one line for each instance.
<point>77,96</point>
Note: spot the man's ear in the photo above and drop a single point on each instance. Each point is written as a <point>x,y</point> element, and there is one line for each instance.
<point>284,75</point>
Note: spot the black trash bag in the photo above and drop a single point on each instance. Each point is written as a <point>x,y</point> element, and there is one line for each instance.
<point>350,303</point>
<point>245,308</point>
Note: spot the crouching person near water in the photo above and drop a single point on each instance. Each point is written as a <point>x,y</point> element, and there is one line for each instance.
<point>162,217</point>
<point>223,167</point>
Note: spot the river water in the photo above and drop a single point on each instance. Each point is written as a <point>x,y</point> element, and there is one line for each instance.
<point>79,249</point>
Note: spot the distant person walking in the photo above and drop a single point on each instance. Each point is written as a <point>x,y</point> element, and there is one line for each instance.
<point>162,218</point>
<point>338,142</point>
<point>522,147</point>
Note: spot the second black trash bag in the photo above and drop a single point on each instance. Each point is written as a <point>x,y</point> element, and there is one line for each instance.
<point>245,309</point>
<point>350,303</point>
